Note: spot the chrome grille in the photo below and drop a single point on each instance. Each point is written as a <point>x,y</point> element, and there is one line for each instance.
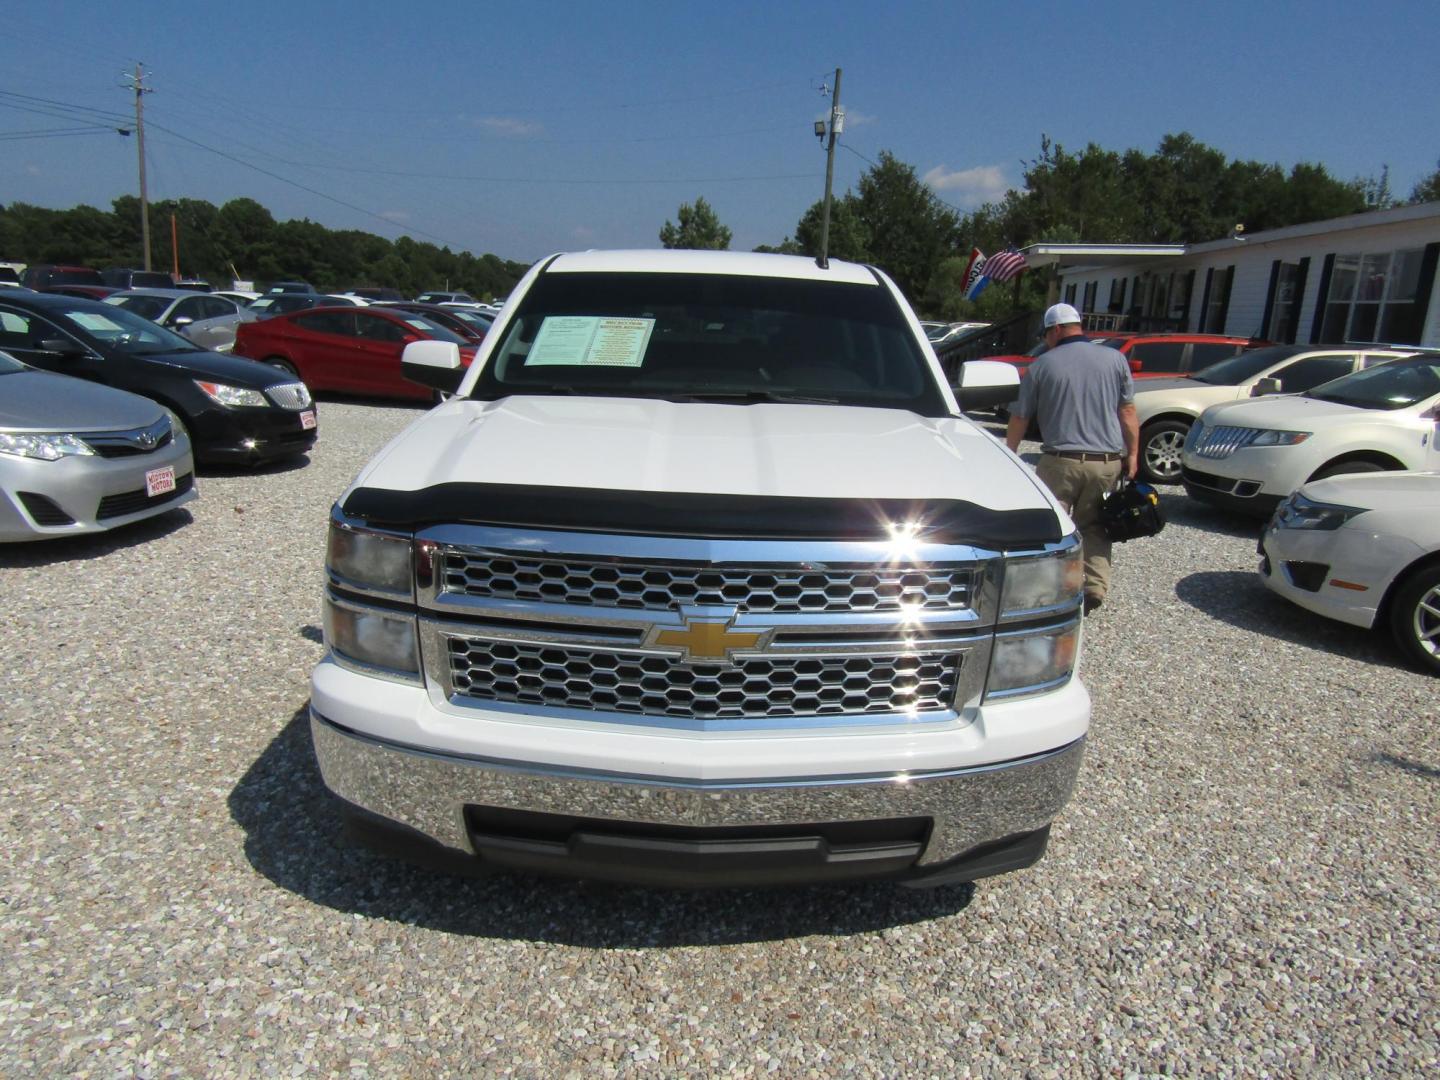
<point>294,396</point>
<point>145,440</point>
<point>657,587</point>
<point>596,680</point>
<point>1221,442</point>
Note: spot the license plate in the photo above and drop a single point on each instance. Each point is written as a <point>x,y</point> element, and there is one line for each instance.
<point>159,481</point>
<point>307,419</point>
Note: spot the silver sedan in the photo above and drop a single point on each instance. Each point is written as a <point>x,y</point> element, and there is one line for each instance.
<point>207,320</point>
<point>78,457</point>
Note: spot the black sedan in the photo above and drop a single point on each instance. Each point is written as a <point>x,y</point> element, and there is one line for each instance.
<point>236,410</point>
<point>471,325</point>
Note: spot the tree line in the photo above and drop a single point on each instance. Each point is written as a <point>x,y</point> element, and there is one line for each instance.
<point>243,240</point>
<point>1185,192</point>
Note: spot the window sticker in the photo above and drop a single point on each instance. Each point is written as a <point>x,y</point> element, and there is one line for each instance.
<point>590,341</point>
<point>418,324</point>
<point>96,324</point>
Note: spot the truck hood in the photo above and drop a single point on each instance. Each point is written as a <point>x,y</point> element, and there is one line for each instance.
<point>644,445</point>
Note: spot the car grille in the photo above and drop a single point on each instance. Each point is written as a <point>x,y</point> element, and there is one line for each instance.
<point>652,587</point>
<point>132,502</point>
<point>293,396</point>
<point>146,440</point>
<point>1221,442</point>
<point>44,510</point>
<point>649,685</point>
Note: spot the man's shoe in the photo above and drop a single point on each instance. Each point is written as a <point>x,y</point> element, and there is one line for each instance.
<point>1092,602</point>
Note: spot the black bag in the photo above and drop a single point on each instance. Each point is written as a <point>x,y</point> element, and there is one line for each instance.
<point>1130,511</point>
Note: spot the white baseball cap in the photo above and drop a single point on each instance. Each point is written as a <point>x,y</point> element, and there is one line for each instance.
<point>1060,314</point>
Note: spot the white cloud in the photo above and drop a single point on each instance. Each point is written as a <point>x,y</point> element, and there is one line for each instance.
<point>504,125</point>
<point>582,232</point>
<point>395,215</point>
<point>970,187</point>
<point>856,118</point>
<point>32,170</point>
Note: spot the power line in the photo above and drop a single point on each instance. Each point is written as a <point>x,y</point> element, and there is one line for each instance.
<point>876,164</point>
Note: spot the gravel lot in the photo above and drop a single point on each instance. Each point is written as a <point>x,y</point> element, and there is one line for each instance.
<point>1246,882</point>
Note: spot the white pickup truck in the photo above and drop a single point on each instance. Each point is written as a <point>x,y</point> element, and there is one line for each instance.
<point>701,577</point>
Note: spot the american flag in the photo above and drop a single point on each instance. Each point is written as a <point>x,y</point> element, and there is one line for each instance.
<point>1004,265</point>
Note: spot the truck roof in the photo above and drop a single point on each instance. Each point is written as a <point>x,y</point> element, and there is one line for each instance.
<point>739,263</point>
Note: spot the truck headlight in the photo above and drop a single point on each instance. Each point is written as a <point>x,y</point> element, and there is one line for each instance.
<point>1042,582</point>
<point>1033,661</point>
<point>1298,512</point>
<point>44,447</point>
<point>373,561</point>
<point>372,636</point>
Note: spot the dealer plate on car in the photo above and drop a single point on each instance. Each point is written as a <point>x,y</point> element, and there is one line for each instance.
<point>159,481</point>
<point>307,419</point>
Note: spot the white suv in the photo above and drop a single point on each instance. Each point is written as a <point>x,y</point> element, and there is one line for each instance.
<point>1165,408</point>
<point>1248,455</point>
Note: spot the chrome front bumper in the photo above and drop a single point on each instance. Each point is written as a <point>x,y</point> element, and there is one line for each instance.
<point>429,792</point>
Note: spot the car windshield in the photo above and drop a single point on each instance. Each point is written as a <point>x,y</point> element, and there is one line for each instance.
<point>143,279</point>
<point>119,329</point>
<point>147,307</point>
<point>473,318</point>
<point>706,337</point>
<point>76,277</point>
<point>1234,370</point>
<point>1396,385</point>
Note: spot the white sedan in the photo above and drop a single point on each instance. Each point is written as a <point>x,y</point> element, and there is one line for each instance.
<point>1364,550</point>
<point>1248,455</point>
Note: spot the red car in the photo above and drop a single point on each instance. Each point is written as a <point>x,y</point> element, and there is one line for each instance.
<point>71,280</point>
<point>1157,355</point>
<point>352,350</point>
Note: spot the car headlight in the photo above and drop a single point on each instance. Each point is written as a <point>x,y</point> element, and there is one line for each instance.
<point>1033,661</point>
<point>44,447</point>
<point>232,397</point>
<point>370,561</point>
<point>372,636</point>
<point>1280,438</point>
<point>1298,512</point>
<point>1042,582</point>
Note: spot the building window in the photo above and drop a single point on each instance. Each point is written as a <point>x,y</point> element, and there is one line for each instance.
<point>1117,295</point>
<point>1373,298</point>
<point>1287,299</point>
<point>1091,287</point>
<point>1218,304</point>
<point>1070,294</point>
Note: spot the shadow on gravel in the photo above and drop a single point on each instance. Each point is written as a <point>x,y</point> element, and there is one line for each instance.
<point>295,836</point>
<point>1409,765</point>
<point>268,468</point>
<point>92,545</point>
<point>1180,509</point>
<point>1239,599</point>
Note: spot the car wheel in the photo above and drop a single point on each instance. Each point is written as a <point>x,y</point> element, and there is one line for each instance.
<point>284,365</point>
<point>1415,618</point>
<point>1160,445</point>
<point>1344,468</point>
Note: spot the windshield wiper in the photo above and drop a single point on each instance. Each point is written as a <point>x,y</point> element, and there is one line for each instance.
<point>751,397</point>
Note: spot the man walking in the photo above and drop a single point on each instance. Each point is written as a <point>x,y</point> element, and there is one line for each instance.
<point>1084,399</point>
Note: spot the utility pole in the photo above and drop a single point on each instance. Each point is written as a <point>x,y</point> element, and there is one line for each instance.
<point>137,83</point>
<point>837,125</point>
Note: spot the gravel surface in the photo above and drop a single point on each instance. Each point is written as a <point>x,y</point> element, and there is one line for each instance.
<point>1245,883</point>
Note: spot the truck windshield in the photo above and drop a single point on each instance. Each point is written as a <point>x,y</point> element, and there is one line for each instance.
<point>1396,385</point>
<point>706,337</point>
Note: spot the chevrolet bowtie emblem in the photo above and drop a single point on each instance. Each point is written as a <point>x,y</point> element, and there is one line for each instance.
<point>709,640</point>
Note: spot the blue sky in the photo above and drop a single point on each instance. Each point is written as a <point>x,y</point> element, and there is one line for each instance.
<point>535,127</point>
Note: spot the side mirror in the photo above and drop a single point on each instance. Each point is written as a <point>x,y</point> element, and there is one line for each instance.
<point>1265,387</point>
<point>435,364</point>
<point>63,348</point>
<point>987,384</point>
<point>181,321</point>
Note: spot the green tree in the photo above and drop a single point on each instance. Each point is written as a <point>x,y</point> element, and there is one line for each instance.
<point>699,228</point>
<point>849,235</point>
<point>909,229</point>
<point>1428,189</point>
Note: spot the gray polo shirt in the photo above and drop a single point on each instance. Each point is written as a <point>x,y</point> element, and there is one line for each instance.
<point>1074,392</point>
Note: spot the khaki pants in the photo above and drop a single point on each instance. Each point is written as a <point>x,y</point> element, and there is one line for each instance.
<point>1080,485</point>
